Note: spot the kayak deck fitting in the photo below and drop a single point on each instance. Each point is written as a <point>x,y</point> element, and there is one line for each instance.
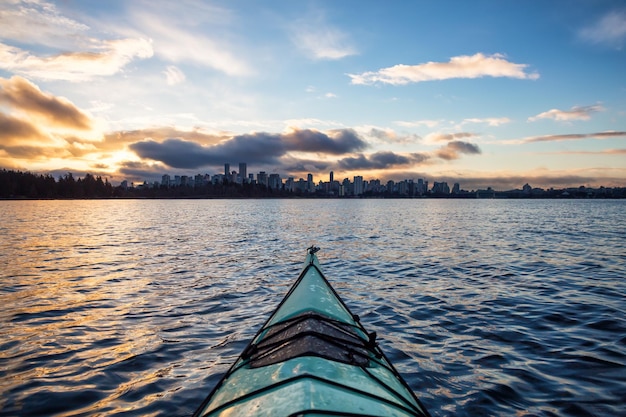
<point>312,358</point>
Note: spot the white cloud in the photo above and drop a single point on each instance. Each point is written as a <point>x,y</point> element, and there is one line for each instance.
<point>576,113</point>
<point>491,121</point>
<point>320,40</point>
<point>174,75</point>
<point>38,22</point>
<point>465,66</point>
<point>107,58</point>
<point>418,123</point>
<point>323,43</point>
<point>609,30</point>
<point>178,40</point>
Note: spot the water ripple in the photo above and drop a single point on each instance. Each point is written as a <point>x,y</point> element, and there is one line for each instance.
<point>494,308</point>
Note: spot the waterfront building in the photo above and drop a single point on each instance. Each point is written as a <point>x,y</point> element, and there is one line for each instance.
<point>243,171</point>
<point>198,180</point>
<point>261,178</point>
<point>358,185</point>
<point>165,181</point>
<point>310,186</point>
<point>226,170</point>
<point>274,182</point>
<point>440,188</point>
<point>290,184</point>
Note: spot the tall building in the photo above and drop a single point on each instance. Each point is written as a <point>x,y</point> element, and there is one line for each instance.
<point>440,188</point>
<point>275,182</point>
<point>358,185</point>
<point>332,177</point>
<point>243,171</point>
<point>227,170</point>
<point>309,183</point>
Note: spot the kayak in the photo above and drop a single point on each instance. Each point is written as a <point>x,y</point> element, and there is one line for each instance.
<point>312,357</point>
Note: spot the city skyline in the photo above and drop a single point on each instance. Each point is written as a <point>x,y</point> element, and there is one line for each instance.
<point>485,94</point>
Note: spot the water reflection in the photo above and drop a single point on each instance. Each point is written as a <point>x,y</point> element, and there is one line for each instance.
<point>487,307</point>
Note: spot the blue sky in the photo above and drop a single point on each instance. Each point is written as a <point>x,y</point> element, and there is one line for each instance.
<point>485,93</point>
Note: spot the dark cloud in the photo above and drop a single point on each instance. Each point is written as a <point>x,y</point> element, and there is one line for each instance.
<point>175,153</point>
<point>298,166</point>
<point>336,142</point>
<point>262,148</point>
<point>139,172</point>
<point>27,97</point>
<point>257,148</point>
<point>453,150</point>
<point>380,160</point>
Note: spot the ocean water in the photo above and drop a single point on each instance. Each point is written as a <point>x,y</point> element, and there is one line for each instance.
<point>487,307</point>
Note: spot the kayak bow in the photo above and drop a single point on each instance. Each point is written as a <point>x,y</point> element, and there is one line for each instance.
<point>312,357</point>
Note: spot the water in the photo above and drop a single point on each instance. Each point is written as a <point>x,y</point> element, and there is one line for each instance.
<point>487,307</point>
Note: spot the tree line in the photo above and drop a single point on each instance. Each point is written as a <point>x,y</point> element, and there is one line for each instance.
<point>17,184</point>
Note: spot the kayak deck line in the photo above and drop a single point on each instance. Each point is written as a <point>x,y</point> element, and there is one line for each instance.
<point>310,334</point>
<point>312,356</point>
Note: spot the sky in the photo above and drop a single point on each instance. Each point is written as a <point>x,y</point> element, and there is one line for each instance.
<point>490,93</point>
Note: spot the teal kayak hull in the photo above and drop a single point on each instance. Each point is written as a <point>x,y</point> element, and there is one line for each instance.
<point>312,357</point>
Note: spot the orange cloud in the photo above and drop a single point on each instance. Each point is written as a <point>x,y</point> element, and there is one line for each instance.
<point>26,97</point>
<point>108,59</point>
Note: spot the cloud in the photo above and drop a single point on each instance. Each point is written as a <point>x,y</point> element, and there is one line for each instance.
<point>140,171</point>
<point>390,136</point>
<point>475,66</point>
<point>319,40</point>
<point>26,97</point>
<point>576,113</point>
<point>106,58</point>
<point>609,30</point>
<point>453,150</point>
<point>419,123</point>
<point>380,160</point>
<point>174,75</point>
<point>38,22</point>
<point>335,142</point>
<point>442,137</point>
<point>255,148</point>
<point>574,136</point>
<point>113,140</point>
<point>15,131</point>
<point>179,35</point>
<point>491,121</point>
<point>301,166</point>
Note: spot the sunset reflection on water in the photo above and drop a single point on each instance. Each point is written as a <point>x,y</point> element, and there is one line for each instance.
<point>137,306</point>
